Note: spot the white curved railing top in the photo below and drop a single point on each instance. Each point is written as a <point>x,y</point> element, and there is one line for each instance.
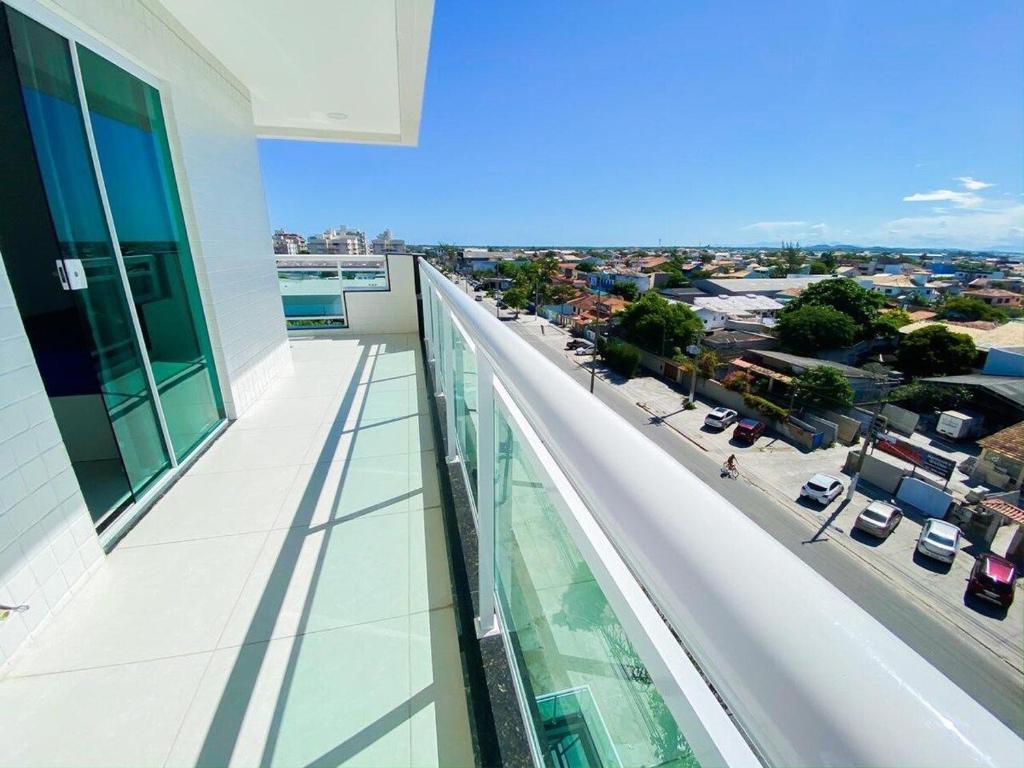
<point>810,676</point>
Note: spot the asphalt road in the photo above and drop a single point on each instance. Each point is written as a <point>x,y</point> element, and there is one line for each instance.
<point>987,679</point>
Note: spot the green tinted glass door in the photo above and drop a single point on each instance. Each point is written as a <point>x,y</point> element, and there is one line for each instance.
<point>135,159</point>
<point>101,359</point>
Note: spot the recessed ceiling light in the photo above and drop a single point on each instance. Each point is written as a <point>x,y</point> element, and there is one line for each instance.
<point>337,115</point>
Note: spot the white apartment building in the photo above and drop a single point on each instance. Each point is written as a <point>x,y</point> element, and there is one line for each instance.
<point>339,240</point>
<point>385,243</point>
<point>288,243</point>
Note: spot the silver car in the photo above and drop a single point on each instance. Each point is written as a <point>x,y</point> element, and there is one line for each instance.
<point>720,418</point>
<point>939,540</point>
<point>878,519</point>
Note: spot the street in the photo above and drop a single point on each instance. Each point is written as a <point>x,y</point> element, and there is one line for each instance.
<point>986,666</point>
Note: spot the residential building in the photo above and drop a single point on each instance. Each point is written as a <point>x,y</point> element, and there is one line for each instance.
<point>865,384</point>
<point>338,240</point>
<point>1002,455</point>
<point>715,311</point>
<point>484,260</point>
<point>605,279</point>
<point>409,541</point>
<point>385,243</point>
<point>288,243</point>
<point>769,287</point>
<point>985,335</point>
<point>994,297</point>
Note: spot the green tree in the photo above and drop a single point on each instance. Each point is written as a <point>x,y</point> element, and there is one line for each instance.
<point>969,308</point>
<point>820,268</point>
<point>887,324</point>
<point>924,396</point>
<point>656,324</point>
<point>625,289</point>
<point>813,328</point>
<point>823,387</point>
<point>842,294</point>
<point>622,358</point>
<point>516,297</point>
<point>934,351</point>
<point>828,258</point>
<point>585,266</point>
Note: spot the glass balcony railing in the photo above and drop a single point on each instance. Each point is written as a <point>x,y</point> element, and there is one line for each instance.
<point>313,287</point>
<point>647,621</point>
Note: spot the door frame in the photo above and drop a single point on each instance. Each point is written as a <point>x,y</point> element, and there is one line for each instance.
<point>75,36</point>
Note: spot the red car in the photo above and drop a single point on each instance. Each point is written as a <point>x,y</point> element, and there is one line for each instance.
<point>992,579</point>
<point>748,430</point>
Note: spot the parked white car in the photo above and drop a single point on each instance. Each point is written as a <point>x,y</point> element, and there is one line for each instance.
<point>720,418</point>
<point>585,349</point>
<point>822,488</point>
<point>939,540</point>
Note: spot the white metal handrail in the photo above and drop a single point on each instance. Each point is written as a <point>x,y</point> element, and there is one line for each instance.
<point>811,677</point>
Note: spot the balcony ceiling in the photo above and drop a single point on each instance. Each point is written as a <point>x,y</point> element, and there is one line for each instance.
<point>333,70</point>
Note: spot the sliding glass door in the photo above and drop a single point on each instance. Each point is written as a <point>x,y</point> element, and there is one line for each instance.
<point>94,244</point>
<point>135,158</point>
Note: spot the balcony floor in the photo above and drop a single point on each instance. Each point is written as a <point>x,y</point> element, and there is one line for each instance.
<point>287,603</point>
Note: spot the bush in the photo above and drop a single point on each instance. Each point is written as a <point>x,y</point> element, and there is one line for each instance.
<point>707,363</point>
<point>622,358</point>
<point>737,381</point>
<point>688,405</point>
<point>766,408</point>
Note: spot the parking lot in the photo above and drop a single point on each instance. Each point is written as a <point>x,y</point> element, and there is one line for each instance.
<point>779,469</point>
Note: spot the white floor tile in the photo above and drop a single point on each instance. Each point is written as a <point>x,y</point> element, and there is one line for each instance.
<point>205,505</point>
<point>147,603</point>
<point>126,715</point>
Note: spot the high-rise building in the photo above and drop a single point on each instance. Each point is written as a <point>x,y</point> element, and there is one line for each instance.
<point>385,243</point>
<point>338,240</point>
<point>288,242</point>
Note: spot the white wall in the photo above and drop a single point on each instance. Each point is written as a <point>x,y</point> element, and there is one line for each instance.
<point>390,312</point>
<point>209,116</point>
<point>47,541</point>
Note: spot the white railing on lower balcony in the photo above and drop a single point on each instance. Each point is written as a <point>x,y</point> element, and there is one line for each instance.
<point>313,286</point>
<point>593,542</point>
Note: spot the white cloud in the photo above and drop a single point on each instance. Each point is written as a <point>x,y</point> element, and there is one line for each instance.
<point>959,199</point>
<point>773,225</point>
<point>998,225</point>
<point>973,184</point>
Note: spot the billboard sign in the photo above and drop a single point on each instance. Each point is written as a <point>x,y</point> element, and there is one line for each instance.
<point>935,463</point>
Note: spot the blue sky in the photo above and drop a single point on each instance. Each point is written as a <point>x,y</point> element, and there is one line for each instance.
<point>620,123</point>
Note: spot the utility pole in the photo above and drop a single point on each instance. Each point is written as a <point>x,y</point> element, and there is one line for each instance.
<point>593,365</point>
<point>883,390</point>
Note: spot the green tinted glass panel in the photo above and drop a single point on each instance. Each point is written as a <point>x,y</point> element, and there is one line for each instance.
<point>591,697</point>
<point>103,336</point>
<point>131,141</point>
<point>465,405</point>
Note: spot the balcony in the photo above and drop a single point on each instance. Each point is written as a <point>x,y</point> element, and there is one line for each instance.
<point>299,596</point>
<point>286,603</point>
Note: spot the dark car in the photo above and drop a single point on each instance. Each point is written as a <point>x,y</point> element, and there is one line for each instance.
<point>574,343</point>
<point>992,579</point>
<point>748,430</point>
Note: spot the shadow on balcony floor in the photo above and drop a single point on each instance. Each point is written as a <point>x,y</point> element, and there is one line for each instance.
<point>286,603</point>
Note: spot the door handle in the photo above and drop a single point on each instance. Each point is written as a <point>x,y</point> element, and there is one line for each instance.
<point>71,274</point>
